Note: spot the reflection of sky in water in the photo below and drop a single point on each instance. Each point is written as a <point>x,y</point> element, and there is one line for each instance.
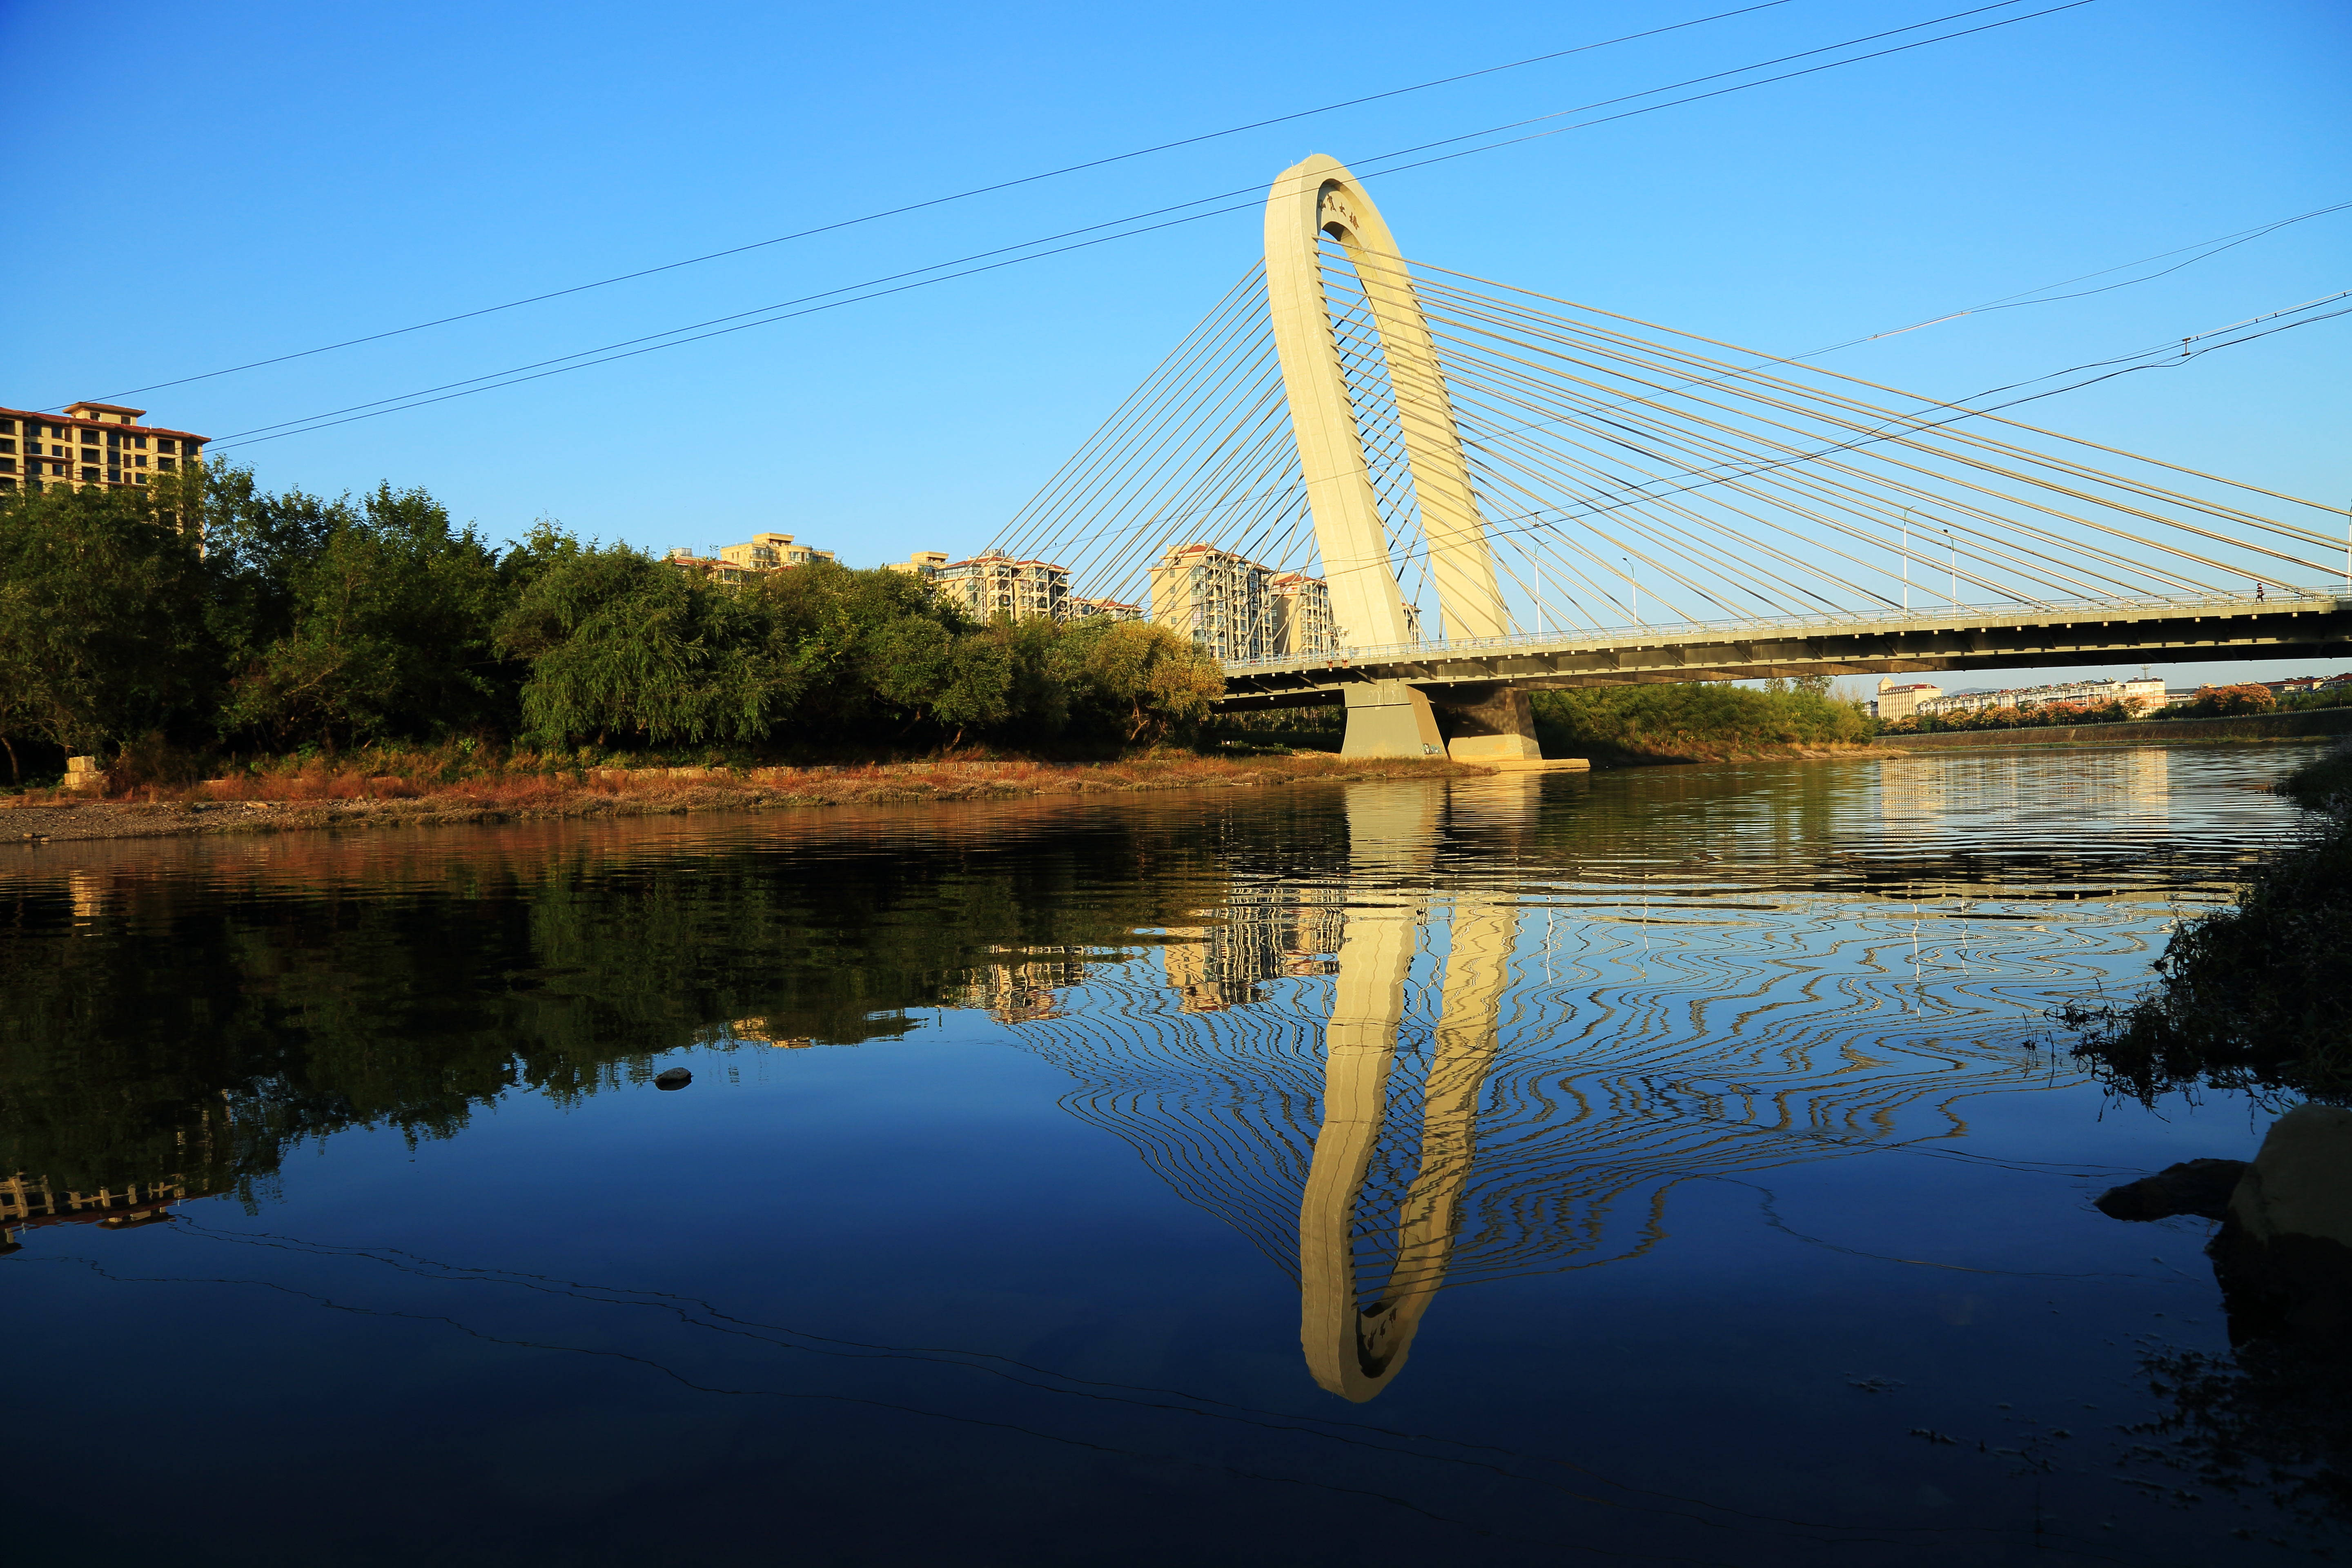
<point>1697,1133</point>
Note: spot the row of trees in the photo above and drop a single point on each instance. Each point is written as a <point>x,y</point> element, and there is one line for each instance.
<point>216,614</point>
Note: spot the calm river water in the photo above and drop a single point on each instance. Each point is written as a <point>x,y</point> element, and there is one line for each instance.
<point>1670,1166</point>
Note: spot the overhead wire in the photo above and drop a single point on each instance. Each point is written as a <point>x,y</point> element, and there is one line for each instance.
<point>904,281</point>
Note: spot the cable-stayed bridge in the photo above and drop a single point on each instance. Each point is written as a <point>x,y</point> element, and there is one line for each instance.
<point>1498,491</point>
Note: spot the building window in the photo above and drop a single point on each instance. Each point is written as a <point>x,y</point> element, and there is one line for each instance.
<point>7,464</point>
<point>165,443</point>
<point>89,476</point>
<point>166,464</point>
<point>140,442</point>
<point>140,461</point>
<point>7,446</point>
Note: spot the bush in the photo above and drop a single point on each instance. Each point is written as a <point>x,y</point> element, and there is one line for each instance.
<point>1691,720</point>
<point>2251,996</point>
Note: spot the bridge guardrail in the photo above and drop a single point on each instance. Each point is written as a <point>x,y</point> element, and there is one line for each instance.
<point>1653,634</point>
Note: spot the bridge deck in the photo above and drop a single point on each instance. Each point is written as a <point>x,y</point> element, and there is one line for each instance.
<point>2308,623</point>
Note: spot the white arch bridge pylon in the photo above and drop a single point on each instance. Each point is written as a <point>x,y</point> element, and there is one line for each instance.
<point>1499,490</point>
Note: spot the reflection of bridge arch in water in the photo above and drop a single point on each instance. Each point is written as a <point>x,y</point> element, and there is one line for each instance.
<point>1382,1138</point>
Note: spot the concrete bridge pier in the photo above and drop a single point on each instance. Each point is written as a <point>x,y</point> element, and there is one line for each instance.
<point>1468,723</point>
<point>1487,724</point>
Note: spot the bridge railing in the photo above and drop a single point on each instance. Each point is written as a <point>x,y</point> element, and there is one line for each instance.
<point>1654,634</point>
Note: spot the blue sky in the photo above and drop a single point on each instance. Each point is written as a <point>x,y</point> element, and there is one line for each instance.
<point>248,181</point>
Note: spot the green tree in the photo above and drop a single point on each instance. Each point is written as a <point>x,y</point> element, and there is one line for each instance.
<point>624,646</point>
<point>383,619</point>
<point>102,634</point>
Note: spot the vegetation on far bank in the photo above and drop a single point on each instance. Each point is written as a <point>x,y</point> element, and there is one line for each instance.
<point>295,627</point>
<point>2254,996</point>
<point>1696,722</point>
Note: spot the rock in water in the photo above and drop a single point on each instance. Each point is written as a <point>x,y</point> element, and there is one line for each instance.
<point>676,1077</point>
<point>2284,1251</point>
<point>2201,1187</point>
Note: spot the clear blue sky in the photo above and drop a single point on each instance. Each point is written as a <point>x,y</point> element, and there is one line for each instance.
<point>203,188</point>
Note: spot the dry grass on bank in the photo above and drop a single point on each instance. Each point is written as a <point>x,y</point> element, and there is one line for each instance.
<point>371,790</point>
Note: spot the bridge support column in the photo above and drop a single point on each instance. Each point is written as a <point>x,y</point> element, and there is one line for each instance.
<point>1389,719</point>
<point>1489,724</point>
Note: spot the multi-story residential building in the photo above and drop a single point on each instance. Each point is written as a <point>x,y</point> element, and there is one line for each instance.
<point>922,563</point>
<point>1903,701</point>
<point>89,443</point>
<point>1235,608</point>
<point>990,586</point>
<point>2138,695</point>
<point>1085,609</point>
<point>771,553</point>
<point>1223,601</point>
<point>1302,616</point>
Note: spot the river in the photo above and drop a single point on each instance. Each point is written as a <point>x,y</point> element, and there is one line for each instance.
<point>1666,1165</point>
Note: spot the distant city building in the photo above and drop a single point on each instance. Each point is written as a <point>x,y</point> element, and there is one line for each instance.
<point>1302,616</point>
<point>1903,701</point>
<point>739,563</point>
<point>993,585</point>
<point>771,553</point>
<point>922,563</point>
<point>89,443</point>
<point>1223,601</point>
<point>1234,609</point>
<point>2138,695</point>
<point>1085,609</point>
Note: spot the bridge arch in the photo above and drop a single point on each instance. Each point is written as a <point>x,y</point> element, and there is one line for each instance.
<point>1307,201</point>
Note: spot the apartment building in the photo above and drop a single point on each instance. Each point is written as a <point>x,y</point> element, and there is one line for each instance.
<point>771,553</point>
<point>1085,609</point>
<point>1235,608</point>
<point>1895,701</point>
<point>2138,695</point>
<point>924,564</point>
<point>89,443</point>
<point>993,585</point>
<point>1302,616</point>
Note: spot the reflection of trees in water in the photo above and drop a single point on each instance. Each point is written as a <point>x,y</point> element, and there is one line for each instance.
<point>183,1013</point>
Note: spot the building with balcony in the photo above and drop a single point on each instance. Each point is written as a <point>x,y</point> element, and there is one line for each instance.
<point>89,443</point>
<point>992,586</point>
<point>771,553</point>
<point>1302,616</point>
<point>1085,609</point>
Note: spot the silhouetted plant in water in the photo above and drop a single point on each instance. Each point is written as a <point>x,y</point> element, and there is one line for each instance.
<point>2252,997</point>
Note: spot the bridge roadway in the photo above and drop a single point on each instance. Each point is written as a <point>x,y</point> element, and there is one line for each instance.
<point>2288,624</point>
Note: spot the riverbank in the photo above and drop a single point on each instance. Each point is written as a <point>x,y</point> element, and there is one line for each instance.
<point>2251,996</point>
<point>2308,724</point>
<point>324,799</point>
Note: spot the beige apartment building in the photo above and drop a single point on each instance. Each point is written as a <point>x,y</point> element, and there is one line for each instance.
<point>771,553</point>
<point>991,585</point>
<point>1903,701</point>
<point>89,443</point>
<point>1234,609</point>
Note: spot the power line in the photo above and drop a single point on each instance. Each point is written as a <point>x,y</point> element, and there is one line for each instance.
<point>806,305</point>
<point>958,197</point>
